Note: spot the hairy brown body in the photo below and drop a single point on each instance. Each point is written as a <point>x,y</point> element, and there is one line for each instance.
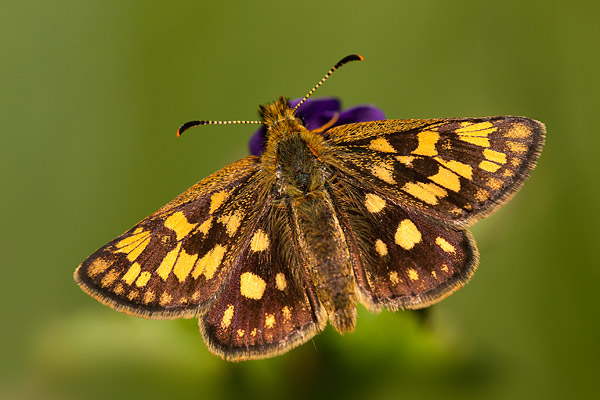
<point>301,179</point>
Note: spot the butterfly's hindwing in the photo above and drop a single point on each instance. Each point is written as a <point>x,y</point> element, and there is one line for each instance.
<point>268,304</point>
<point>402,259</point>
<point>456,170</point>
<point>172,262</point>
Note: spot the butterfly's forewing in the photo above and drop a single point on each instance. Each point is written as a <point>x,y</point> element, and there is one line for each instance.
<point>401,259</point>
<point>455,170</point>
<point>172,263</point>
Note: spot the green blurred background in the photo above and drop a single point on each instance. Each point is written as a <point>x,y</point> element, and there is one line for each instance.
<point>91,95</point>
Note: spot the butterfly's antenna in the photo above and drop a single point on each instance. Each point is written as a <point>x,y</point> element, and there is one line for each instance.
<point>192,124</point>
<point>345,60</point>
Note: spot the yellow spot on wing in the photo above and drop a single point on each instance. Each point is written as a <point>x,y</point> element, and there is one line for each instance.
<point>478,129</point>
<point>183,266</point>
<point>427,192</point>
<point>125,245</point>
<point>516,147</point>
<point>287,313</point>
<point>180,224</point>
<point>427,141</point>
<point>444,245</point>
<point>119,288</point>
<point>515,161</point>
<point>135,253</point>
<point>455,210</point>
<point>231,222</point>
<point>165,298</point>
<point>227,316</point>
<point>269,320</point>
<point>519,131</point>
<point>374,203</point>
<point>382,145</point>
<point>132,273</point>
<point>464,170</point>
<point>133,295</point>
<point>209,263</point>
<point>216,200</point>
<point>149,297</point>
<point>447,179</point>
<point>205,226</point>
<point>407,234</point>
<point>280,282</point>
<point>495,156</point>
<point>241,332</point>
<point>434,274</point>
<point>260,241</point>
<point>394,278</point>
<point>98,266</point>
<point>489,166</point>
<point>253,333</point>
<point>134,244</point>
<point>476,140</point>
<point>494,184</point>
<point>482,194</point>
<point>413,274</point>
<point>406,160</point>
<point>165,267</point>
<point>381,247</point>
<point>109,278</point>
<point>252,286</point>
<point>384,172</point>
<point>143,279</point>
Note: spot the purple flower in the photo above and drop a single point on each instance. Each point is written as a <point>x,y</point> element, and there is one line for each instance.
<point>317,112</point>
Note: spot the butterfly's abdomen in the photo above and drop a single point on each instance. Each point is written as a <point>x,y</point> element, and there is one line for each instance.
<point>324,246</point>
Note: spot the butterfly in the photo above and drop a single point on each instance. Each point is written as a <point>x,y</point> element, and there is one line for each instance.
<point>267,250</point>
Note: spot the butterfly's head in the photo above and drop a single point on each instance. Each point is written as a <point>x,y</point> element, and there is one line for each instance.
<point>279,118</point>
<point>292,154</point>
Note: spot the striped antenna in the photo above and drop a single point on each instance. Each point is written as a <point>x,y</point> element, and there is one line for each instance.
<point>192,124</point>
<point>345,60</point>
